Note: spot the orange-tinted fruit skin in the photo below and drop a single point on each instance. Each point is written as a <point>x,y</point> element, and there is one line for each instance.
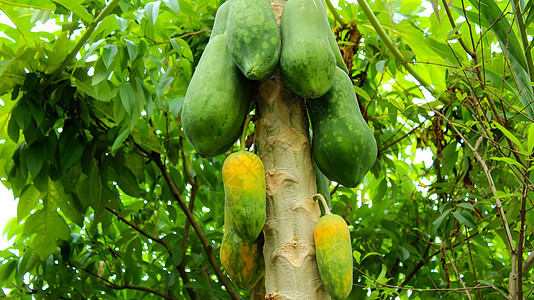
<point>242,260</point>
<point>334,255</point>
<point>244,188</point>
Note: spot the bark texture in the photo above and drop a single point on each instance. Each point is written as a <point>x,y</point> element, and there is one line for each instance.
<point>283,145</point>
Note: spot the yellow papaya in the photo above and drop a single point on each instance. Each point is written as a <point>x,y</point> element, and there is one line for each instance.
<point>242,260</point>
<point>244,188</point>
<point>333,251</point>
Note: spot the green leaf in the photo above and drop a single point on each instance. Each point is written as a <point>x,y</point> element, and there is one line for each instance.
<point>173,5</point>
<point>48,226</point>
<point>75,6</point>
<point>530,139</point>
<point>13,129</point>
<point>437,223</point>
<point>357,256</point>
<point>35,156</point>
<point>28,200</point>
<point>509,161</point>
<point>465,218</point>
<point>120,139</point>
<point>127,96</point>
<point>509,135</point>
<point>108,54</point>
<point>95,187</point>
<point>57,197</point>
<point>128,183</point>
<point>152,11</point>
<point>131,48</point>
<point>362,93</point>
<point>101,72</point>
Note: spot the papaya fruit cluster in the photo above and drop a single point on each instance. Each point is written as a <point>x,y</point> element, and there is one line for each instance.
<point>246,45</point>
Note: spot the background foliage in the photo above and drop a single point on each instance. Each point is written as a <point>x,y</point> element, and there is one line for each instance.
<point>114,203</point>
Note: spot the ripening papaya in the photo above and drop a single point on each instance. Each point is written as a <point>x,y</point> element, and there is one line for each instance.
<point>333,251</point>
<point>217,101</point>
<point>242,260</point>
<point>221,17</point>
<point>253,37</point>
<point>244,188</point>
<point>307,63</point>
<point>343,145</point>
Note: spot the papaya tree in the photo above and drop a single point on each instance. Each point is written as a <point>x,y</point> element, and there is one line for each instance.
<point>116,198</point>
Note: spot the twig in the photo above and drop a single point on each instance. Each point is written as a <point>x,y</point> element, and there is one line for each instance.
<point>482,162</point>
<point>127,285</point>
<point>458,290</point>
<point>180,268</point>
<point>458,274</point>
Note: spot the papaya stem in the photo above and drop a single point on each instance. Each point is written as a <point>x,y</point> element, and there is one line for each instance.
<point>325,205</point>
<point>391,46</point>
<point>336,14</point>
<point>244,134</point>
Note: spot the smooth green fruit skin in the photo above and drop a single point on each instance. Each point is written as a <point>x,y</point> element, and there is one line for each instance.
<point>243,177</point>
<point>333,251</point>
<point>343,145</point>
<point>242,260</point>
<point>216,102</point>
<point>307,63</point>
<point>253,37</point>
<point>337,53</point>
<point>323,186</point>
<point>335,47</point>
<point>221,17</point>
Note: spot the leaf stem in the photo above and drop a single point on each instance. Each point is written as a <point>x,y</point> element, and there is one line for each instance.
<point>86,35</point>
<point>336,14</point>
<point>390,45</point>
<point>524,39</point>
<point>244,134</point>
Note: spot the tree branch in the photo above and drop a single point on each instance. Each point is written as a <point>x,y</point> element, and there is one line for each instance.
<point>181,269</point>
<point>127,286</point>
<point>205,244</point>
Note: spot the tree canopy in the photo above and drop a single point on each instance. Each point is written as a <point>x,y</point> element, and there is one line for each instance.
<point>114,203</point>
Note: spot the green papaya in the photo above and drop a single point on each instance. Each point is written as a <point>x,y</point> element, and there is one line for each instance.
<point>253,37</point>
<point>333,251</point>
<point>217,101</point>
<point>343,145</point>
<point>335,47</point>
<point>244,188</point>
<point>242,260</point>
<point>307,63</point>
<point>221,17</point>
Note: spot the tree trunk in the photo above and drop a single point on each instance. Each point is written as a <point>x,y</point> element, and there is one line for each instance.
<point>283,145</point>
